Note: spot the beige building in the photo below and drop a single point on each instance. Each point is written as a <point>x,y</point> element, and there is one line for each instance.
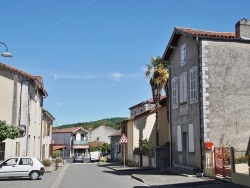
<point>46,130</point>
<point>21,102</point>
<point>141,125</point>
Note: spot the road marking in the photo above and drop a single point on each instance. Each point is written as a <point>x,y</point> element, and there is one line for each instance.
<point>60,177</point>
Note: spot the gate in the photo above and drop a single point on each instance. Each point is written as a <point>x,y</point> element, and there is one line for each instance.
<point>222,161</point>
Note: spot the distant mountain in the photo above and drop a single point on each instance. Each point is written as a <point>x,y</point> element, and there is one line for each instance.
<point>111,122</point>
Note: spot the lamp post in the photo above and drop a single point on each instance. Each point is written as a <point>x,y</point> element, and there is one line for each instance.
<point>6,54</point>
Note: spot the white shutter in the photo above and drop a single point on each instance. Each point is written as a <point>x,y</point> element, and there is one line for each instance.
<point>191,137</point>
<point>196,82</point>
<point>179,139</point>
<point>183,87</point>
<point>183,54</point>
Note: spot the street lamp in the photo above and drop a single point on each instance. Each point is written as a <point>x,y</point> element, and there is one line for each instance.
<point>6,54</point>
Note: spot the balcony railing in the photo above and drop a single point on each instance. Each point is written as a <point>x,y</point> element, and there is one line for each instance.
<point>76,142</point>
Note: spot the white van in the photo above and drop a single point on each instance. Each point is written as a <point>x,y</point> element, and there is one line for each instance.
<point>94,156</point>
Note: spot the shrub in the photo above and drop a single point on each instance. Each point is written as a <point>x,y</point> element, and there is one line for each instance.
<point>58,160</point>
<point>47,162</point>
<point>56,154</point>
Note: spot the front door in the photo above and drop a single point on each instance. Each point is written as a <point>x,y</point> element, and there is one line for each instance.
<point>8,167</point>
<point>185,148</point>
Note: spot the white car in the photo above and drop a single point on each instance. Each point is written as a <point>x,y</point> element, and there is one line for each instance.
<point>22,167</point>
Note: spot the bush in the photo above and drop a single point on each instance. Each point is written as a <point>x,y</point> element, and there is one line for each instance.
<point>58,160</point>
<point>47,162</point>
<point>56,154</point>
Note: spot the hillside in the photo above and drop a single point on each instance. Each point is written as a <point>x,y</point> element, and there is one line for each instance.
<point>111,122</point>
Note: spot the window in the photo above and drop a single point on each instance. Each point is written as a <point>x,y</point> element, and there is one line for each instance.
<point>48,129</point>
<point>193,85</point>
<point>183,54</point>
<point>174,93</point>
<point>74,137</point>
<point>183,87</point>
<point>25,161</point>
<point>82,137</point>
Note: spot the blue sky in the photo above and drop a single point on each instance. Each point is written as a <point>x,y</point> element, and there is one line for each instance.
<point>92,53</point>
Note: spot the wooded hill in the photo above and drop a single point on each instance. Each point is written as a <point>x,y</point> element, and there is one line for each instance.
<point>111,122</point>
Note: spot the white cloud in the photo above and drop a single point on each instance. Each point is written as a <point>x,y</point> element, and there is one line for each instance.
<point>60,76</point>
<point>59,104</point>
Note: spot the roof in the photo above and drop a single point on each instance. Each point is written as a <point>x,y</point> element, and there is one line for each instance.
<point>96,143</point>
<point>150,101</point>
<point>58,147</point>
<point>68,130</point>
<point>34,79</point>
<point>48,114</point>
<point>117,133</point>
<point>179,31</point>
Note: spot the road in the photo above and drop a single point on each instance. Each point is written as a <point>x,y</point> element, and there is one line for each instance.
<point>92,175</point>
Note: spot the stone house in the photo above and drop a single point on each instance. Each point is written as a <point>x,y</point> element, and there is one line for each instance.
<point>70,141</point>
<point>210,86</point>
<point>21,104</point>
<point>141,125</point>
<point>115,146</point>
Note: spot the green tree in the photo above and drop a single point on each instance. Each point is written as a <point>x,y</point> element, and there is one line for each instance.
<point>7,131</point>
<point>158,74</point>
<point>106,147</point>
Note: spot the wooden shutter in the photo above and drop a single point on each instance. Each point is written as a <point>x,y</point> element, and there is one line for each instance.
<point>191,137</point>
<point>179,139</point>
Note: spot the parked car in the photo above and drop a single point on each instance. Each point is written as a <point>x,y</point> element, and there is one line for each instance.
<point>94,156</point>
<point>22,167</point>
<point>78,157</point>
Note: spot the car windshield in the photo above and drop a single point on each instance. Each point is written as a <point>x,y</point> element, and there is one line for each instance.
<point>78,155</point>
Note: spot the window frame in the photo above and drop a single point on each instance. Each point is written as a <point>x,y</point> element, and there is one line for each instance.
<point>193,85</point>
<point>183,54</point>
<point>174,88</point>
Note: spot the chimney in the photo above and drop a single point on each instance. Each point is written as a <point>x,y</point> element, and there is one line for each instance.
<point>242,28</point>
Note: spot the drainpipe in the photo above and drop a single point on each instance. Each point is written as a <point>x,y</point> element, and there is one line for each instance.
<point>199,69</point>
<point>169,115</point>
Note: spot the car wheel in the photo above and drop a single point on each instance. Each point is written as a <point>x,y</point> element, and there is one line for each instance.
<point>34,175</point>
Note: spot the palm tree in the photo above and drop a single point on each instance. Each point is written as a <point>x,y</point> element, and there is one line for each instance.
<point>158,74</point>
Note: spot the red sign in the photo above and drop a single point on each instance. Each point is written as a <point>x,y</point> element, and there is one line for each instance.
<point>123,139</point>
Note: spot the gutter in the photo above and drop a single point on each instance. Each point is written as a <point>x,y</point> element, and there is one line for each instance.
<point>199,69</point>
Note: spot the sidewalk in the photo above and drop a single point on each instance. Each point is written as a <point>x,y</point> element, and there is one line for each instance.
<point>159,179</point>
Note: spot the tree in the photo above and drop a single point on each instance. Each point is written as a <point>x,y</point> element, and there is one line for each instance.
<point>158,73</point>
<point>7,131</point>
<point>106,147</point>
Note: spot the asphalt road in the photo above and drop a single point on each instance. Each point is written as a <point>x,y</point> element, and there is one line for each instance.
<point>91,175</point>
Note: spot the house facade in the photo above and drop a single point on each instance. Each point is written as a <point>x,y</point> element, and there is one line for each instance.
<point>46,129</point>
<point>210,101</point>
<point>142,126</point>
<point>115,146</point>
<point>70,141</point>
<point>101,134</point>
<point>21,102</point>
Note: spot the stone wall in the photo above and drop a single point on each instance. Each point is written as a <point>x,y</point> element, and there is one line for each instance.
<point>162,156</point>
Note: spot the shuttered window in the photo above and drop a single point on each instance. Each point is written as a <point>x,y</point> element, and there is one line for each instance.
<point>191,138</point>
<point>174,93</point>
<point>183,87</point>
<point>179,139</point>
<point>183,54</point>
<point>193,84</point>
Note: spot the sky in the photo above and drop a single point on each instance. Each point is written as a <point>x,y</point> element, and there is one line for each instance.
<point>92,53</point>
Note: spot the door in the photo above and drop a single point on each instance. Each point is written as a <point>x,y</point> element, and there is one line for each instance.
<point>24,166</point>
<point>8,168</point>
<point>184,149</point>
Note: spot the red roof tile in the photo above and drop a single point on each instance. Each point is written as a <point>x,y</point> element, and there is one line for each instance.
<point>202,33</point>
<point>67,130</point>
<point>32,78</point>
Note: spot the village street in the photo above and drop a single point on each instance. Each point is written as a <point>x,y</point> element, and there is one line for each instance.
<point>109,176</point>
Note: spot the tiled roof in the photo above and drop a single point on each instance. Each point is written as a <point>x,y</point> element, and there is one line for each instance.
<point>32,78</point>
<point>179,31</point>
<point>150,101</point>
<point>48,114</point>
<point>68,130</point>
<point>202,33</point>
<point>117,133</point>
<point>96,143</point>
